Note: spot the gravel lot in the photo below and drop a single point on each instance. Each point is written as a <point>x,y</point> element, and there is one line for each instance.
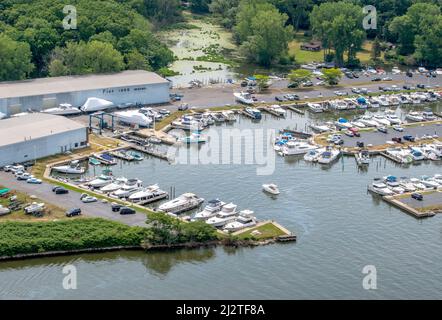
<point>431,199</point>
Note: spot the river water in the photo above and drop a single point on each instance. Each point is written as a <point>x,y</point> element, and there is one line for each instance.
<point>340,230</point>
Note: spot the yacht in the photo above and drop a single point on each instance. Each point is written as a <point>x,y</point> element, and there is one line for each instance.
<point>417,154</point>
<point>210,210</point>
<point>429,152</point>
<point>64,109</point>
<point>185,202</point>
<point>415,99</point>
<point>405,99</point>
<point>254,113</point>
<point>381,120</point>
<point>114,185</point>
<point>358,124</point>
<point>339,105</point>
<point>393,119</point>
<point>428,115</point>
<point>218,117</point>
<point>278,110</point>
<point>383,101</point>
<point>71,168</point>
<point>328,156</point>
<point>134,117</point>
<point>315,107</point>
<point>130,187</point>
<point>243,97</point>
<point>244,220</point>
<point>363,158</point>
<point>188,123</point>
<point>374,103</point>
<point>100,181</point>
<point>295,148</point>
<point>380,188</point>
<point>414,116</point>
<point>368,121</point>
<point>394,101</point>
<point>227,214</point>
<point>319,128</point>
<point>148,195</point>
<point>271,188</point>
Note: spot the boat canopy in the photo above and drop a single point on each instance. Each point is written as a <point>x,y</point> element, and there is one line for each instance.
<point>361,100</point>
<point>391,178</point>
<point>4,191</point>
<point>342,120</point>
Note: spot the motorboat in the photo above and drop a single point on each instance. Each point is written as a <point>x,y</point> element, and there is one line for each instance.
<point>429,152</point>
<point>343,123</point>
<point>148,195</point>
<point>414,116</point>
<point>339,105</point>
<point>328,156</point>
<point>418,184</point>
<point>319,128</point>
<point>407,185</point>
<point>254,113</point>
<point>243,97</point>
<point>100,181</point>
<point>383,101</point>
<point>363,158</point>
<point>271,188</point>
<point>368,121</point>
<point>400,155</point>
<point>64,109</point>
<point>194,137</point>
<point>93,161</point>
<point>428,115</point>
<point>2,115</point>
<point>114,185</point>
<point>296,148</point>
<point>380,188</point>
<point>393,184</point>
<point>277,109</point>
<point>229,115</point>
<point>358,124</point>
<point>405,99</point>
<point>188,122</point>
<point>244,220</point>
<point>106,158</point>
<point>315,107</point>
<point>185,202</point>
<point>151,113</point>
<point>393,119</point>
<point>136,155</point>
<point>381,120</point>
<point>415,99</point>
<point>417,154</point>
<point>130,187</point>
<point>134,117</point>
<point>227,214</point>
<point>210,210</point>
<point>34,208</point>
<point>95,104</point>
<point>71,168</point>
<point>429,182</point>
<point>313,155</point>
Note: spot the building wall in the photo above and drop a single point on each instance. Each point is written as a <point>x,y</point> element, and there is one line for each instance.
<point>144,94</point>
<point>39,148</point>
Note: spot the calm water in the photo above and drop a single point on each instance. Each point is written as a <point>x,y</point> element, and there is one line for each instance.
<point>340,229</point>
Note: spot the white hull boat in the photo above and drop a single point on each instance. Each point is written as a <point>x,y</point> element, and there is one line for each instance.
<point>185,202</point>
<point>271,188</point>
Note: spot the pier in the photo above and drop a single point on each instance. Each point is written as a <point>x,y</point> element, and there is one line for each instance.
<point>428,207</point>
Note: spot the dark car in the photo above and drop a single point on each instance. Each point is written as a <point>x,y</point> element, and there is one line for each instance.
<point>409,74</point>
<point>376,79</point>
<point>407,87</point>
<point>54,188</point>
<point>73,212</point>
<point>383,130</point>
<point>61,191</point>
<point>381,88</point>
<point>396,139</point>
<point>116,207</point>
<point>355,74</point>
<point>183,107</point>
<point>292,85</point>
<point>126,210</point>
<point>408,138</point>
<point>279,98</point>
<point>349,75</point>
<point>420,86</point>
<point>417,196</point>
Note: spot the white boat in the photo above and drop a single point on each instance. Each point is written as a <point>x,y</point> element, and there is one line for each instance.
<point>363,158</point>
<point>95,104</point>
<point>415,99</point>
<point>407,185</point>
<point>400,155</point>
<point>381,120</point>
<point>148,195</point>
<point>254,113</point>
<point>339,105</point>
<point>428,115</point>
<point>134,117</point>
<point>72,168</point>
<point>187,122</point>
<point>342,123</point>
<point>64,109</point>
<point>271,188</point>
<point>358,124</point>
<point>393,119</point>
<point>244,220</point>
<point>430,153</point>
<point>243,97</point>
<point>278,110</point>
<point>368,121</point>
<point>328,156</point>
<point>315,107</point>
<point>296,147</point>
<point>100,181</point>
<point>313,155</point>
<point>393,184</point>
<point>414,116</point>
<point>130,187</point>
<point>417,154</point>
<point>34,208</point>
<point>383,101</point>
<point>210,210</point>
<point>320,128</point>
<point>2,115</point>
<point>185,202</point>
<point>194,137</point>
<point>227,214</point>
<point>418,184</point>
<point>428,182</point>
<point>380,188</point>
<point>114,186</point>
<point>229,115</point>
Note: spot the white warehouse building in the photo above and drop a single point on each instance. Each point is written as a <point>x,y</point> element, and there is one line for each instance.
<point>134,86</point>
<point>38,135</point>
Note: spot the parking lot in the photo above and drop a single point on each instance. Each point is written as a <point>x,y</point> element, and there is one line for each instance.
<point>71,200</point>
<point>430,200</point>
<point>378,138</point>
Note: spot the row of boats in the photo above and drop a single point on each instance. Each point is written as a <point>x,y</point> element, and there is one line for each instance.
<point>198,121</point>
<point>409,155</point>
<point>391,185</point>
<point>363,102</point>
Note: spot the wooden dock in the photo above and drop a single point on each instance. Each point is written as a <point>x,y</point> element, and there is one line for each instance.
<point>404,207</point>
<point>270,111</point>
<point>151,152</point>
<point>392,158</point>
<point>247,114</point>
<point>294,108</point>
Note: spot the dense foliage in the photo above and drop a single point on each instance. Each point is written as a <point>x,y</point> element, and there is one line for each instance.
<point>34,237</point>
<point>120,28</point>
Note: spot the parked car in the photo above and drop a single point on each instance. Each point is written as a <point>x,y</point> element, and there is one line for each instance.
<point>349,75</point>
<point>279,98</point>
<point>356,90</point>
<point>61,190</point>
<point>383,129</point>
<point>396,139</point>
<point>417,196</point>
<point>307,84</point>
<point>85,198</point>
<point>34,181</point>
<point>73,212</point>
<point>355,131</point>
<point>341,93</point>
<point>376,79</point>
<point>420,86</point>
<point>406,87</point>
<point>116,207</point>
<point>387,79</point>
<point>183,107</point>
<point>408,138</point>
<point>126,210</point>
<point>409,74</point>
<point>398,128</point>
<point>292,85</point>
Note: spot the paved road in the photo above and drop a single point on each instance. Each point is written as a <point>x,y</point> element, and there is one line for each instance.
<point>432,199</point>
<point>379,138</point>
<point>70,200</point>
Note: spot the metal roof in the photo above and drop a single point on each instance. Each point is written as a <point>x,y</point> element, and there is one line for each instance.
<point>54,85</point>
<point>34,126</point>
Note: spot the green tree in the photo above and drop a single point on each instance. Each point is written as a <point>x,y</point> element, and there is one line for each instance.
<point>136,61</point>
<point>15,59</point>
<point>332,76</point>
<point>297,10</point>
<point>226,10</point>
<point>299,76</point>
<point>199,6</point>
<point>268,37</point>
<point>376,49</point>
<point>262,81</point>
<point>339,26</point>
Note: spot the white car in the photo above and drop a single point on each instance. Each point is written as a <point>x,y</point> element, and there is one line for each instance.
<point>340,93</point>
<point>398,128</point>
<point>85,198</point>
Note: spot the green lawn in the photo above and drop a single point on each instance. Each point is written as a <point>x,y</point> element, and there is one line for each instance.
<point>268,231</point>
